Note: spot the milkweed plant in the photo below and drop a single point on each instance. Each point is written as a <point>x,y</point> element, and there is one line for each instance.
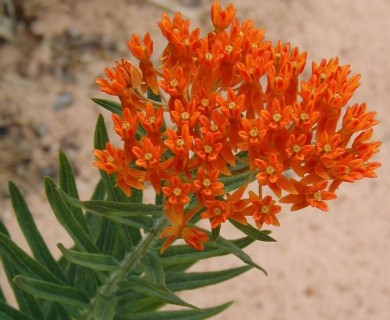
<point>223,130</point>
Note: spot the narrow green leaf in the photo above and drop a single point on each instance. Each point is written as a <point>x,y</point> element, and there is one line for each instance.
<point>32,235</point>
<point>178,281</point>
<point>215,233</point>
<point>154,272</point>
<point>183,254</point>
<point>101,135</point>
<point>105,307</point>
<point>9,313</point>
<point>253,233</point>
<point>23,262</point>
<point>230,247</point>
<point>67,220</point>
<point>68,185</point>
<point>109,105</point>
<point>236,181</point>
<point>116,209</point>
<point>26,302</point>
<point>53,292</point>
<point>94,261</point>
<point>152,96</point>
<point>163,294</point>
<point>199,314</point>
<point>145,223</point>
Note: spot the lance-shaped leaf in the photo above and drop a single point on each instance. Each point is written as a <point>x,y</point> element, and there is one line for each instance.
<point>53,292</point>
<point>183,254</point>
<point>178,281</point>
<point>96,261</point>
<point>23,263</point>
<point>115,209</point>
<point>199,314</point>
<point>252,232</point>
<point>32,235</point>
<point>163,294</point>
<point>104,308</point>
<point>26,302</point>
<point>9,313</point>
<point>230,247</point>
<point>67,220</point>
<point>109,105</point>
<point>153,269</point>
<point>68,185</point>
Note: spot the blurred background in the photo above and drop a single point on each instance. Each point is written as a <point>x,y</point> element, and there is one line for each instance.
<point>333,265</point>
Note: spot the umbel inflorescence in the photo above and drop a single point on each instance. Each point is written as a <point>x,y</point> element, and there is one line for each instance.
<point>233,104</point>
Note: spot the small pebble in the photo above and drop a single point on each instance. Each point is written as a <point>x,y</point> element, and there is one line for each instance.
<point>64,100</point>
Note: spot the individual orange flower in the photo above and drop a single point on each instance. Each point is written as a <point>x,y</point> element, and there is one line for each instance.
<point>113,160</point>
<point>252,136</point>
<point>143,52</point>
<point>207,186</point>
<point>149,157</point>
<point>124,75</point>
<point>271,174</point>
<point>263,210</point>
<point>276,116</point>
<point>313,195</point>
<point>177,192</point>
<point>184,114</point>
<point>180,145</point>
<point>208,153</point>
<point>193,236</point>
<point>126,126</point>
<point>233,207</point>
<point>221,19</point>
<point>152,121</point>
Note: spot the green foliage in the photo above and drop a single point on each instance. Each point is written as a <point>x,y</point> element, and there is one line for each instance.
<point>114,270</point>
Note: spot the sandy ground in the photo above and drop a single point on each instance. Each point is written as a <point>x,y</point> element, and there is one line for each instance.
<point>324,266</point>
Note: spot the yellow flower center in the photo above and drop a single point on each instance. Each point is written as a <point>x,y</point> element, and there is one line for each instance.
<point>277,117</point>
<point>110,159</point>
<point>208,149</point>
<point>209,56</point>
<point>186,41</point>
<point>323,76</point>
<point>265,209</point>
<point>270,170</point>
<point>206,183</point>
<point>254,133</point>
<point>317,196</point>
<point>185,116</point>
<point>152,119</point>
<point>214,127</point>
<point>174,83</point>
<point>229,48</point>
<point>205,102</point>
<point>327,148</point>
<point>180,142</point>
<point>177,192</point>
<point>148,156</point>
<point>296,148</point>
<point>232,105</point>
<point>304,116</point>
<point>217,211</point>
<point>126,125</point>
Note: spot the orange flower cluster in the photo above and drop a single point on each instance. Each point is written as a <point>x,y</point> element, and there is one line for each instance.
<point>228,98</point>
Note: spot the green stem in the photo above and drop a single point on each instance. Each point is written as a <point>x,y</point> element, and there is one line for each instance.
<point>131,261</point>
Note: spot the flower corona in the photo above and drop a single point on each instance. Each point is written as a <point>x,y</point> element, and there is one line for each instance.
<point>233,104</point>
